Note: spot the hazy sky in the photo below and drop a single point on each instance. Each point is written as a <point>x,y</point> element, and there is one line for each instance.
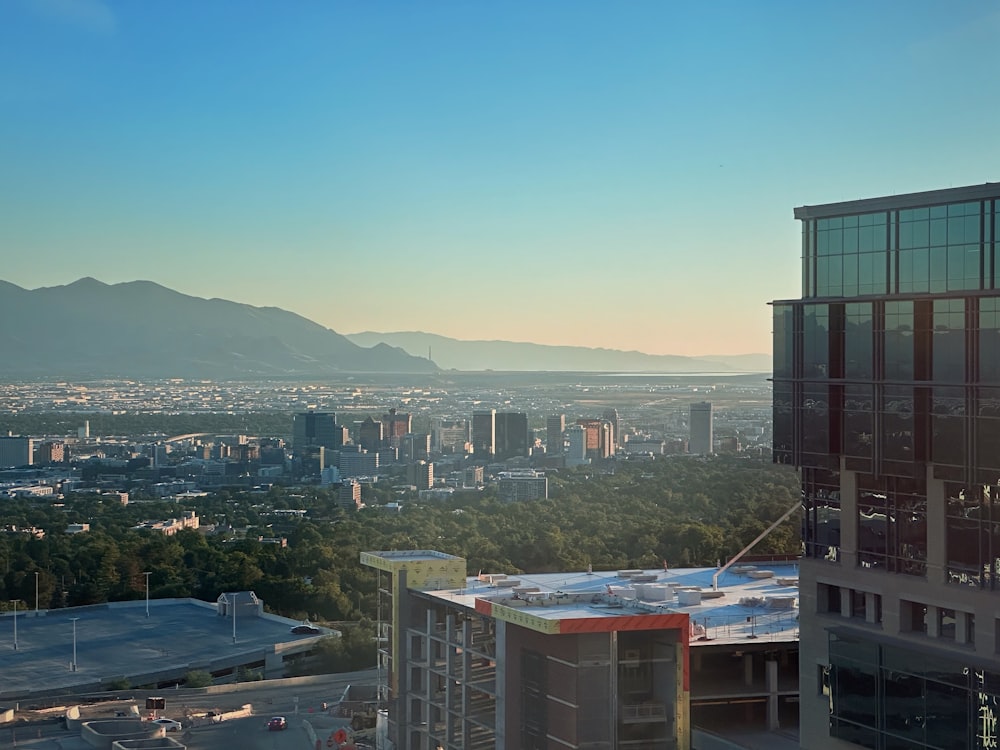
<point>616,174</point>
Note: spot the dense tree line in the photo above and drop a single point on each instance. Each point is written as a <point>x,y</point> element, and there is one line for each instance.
<point>683,511</point>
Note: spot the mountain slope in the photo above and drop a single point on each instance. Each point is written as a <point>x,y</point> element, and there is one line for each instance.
<point>142,329</point>
<point>456,354</point>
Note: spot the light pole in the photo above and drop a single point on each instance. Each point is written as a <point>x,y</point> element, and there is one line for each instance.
<point>73,664</point>
<point>147,574</point>
<point>234,621</point>
<point>15,624</point>
<point>36,593</point>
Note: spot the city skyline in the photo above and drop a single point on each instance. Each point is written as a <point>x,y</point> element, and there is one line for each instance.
<point>304,158</point>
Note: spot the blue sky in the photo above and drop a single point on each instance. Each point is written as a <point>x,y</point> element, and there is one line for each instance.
<point>593,173</point>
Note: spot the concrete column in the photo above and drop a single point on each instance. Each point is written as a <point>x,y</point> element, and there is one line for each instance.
<point>501,684</point>
<point>961,626</point>
<point>845,601</point>
<point>748,669</point>
<point>771,677</point>
<point>933,621</point>
<point>936,530</point>
<point>871,608</point>
<point>848,518</point>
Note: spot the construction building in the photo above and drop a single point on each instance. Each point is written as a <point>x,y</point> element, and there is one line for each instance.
<point>602,660</point>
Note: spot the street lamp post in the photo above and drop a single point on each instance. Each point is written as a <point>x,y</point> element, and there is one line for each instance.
<point>147,574</point>
<point>15,624</point>
<point>73,664</point>
<point>36,593</point>
<point>234,621</point>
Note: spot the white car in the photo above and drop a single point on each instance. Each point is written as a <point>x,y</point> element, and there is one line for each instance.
<point>169,725</point>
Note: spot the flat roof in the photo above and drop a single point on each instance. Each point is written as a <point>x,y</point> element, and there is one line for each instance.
<point>413,555</point>
<point>116,639</point>
<point>904,200</point>
<point>756,601</point>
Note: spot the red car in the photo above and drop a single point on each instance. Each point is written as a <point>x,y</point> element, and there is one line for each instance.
<point>277,723</point>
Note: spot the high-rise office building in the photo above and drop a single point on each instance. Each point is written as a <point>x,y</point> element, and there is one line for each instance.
<point>611,415</point>
<point>313,428</point>
<point>887,397</point>
<point>16,451</point>
<point>394,426</point>
<point>371,434</point>
<point>511,436</point>
<point>555,426</point>
<point>599,438</point>
<point>700,440</point>
<point>452,435</point>
<point>484,435</point>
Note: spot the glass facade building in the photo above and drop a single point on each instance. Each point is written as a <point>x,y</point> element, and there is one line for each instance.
<point>887,398</point>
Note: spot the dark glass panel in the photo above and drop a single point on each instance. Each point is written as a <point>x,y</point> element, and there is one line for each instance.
<point>989,340</point>
<point>920,270</point>
<point>783,438</point>
<point>897,423</point>
<point>939,232</point>
<point>948,426</point>
<point>947,715</point>
<point>873,528</point>
<point>903,696</point>
<point>816,341</point>
<point>858,337</point>
<point>899,340</point>
<point>821,519</point>
<point>815,419</point>
<point>988,430</point>
<point>783,333</point>
<point>859,421</point>
<point>949,341</point>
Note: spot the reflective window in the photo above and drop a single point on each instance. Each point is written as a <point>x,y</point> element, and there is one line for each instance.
<point>972,536</point>
<point>821,520</point>
<point>783,333</point>
<point>949,341</point>
<point>899,340</point>
<point>858,341</point>
<point>892,525</point>
<point>815,419</point>
<point>783,437</point>
<point>816,341</point>
<point>896,437</point>
<point>948,426</point>
<point>859,421</point>
<point>987,427</point>
<point>849,253</point>
<point>989,340</point>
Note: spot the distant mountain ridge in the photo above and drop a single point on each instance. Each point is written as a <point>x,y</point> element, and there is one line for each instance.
<point>457,354</point>
<point>140,329</point>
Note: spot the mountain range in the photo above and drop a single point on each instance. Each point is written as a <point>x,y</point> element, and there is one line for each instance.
<point>456,354</point>
<point>139,329</point>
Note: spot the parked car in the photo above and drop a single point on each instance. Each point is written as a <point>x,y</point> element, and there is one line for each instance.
<point>277,723</point>
<point>168,725</point>
<point>306,629</point>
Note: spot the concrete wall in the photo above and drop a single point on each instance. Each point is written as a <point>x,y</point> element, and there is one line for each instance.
<point>101,734</point>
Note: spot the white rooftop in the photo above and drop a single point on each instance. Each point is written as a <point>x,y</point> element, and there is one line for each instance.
<point>757,601</point>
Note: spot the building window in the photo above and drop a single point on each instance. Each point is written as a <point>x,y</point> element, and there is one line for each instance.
<point>892,525</point>
<point>972,536</point>
<point>858,608</point>
<point>912,617</point>
<point>946,623</point>
<point>821,520</point>
<point>828,599</point>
